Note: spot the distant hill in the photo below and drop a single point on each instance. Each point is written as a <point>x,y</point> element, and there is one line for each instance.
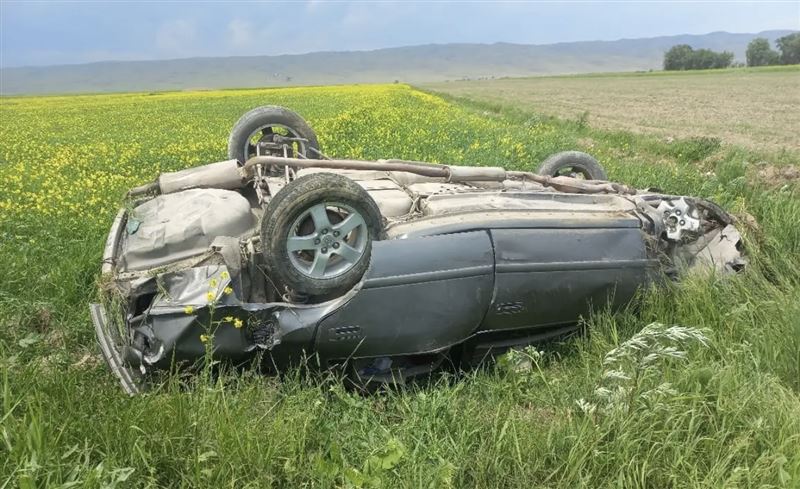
<point>426,63</point>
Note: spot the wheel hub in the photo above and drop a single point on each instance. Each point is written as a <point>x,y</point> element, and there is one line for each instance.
<point>327,240</point>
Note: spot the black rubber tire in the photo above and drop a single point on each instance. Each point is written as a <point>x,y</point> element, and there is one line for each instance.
<point>289,203</point>
<point>583,162</point>
<point>263,116</point>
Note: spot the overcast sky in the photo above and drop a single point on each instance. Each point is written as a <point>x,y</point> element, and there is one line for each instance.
<point>44,33</point>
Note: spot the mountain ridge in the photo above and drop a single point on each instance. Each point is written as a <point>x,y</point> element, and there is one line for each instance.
<point>418,63</point>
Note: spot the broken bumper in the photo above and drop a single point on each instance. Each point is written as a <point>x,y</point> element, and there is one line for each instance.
<point>111,351</point>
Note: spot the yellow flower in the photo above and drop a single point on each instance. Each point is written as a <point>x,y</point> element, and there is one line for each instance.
<point>211,296</point>
<point>227,290</point>
<point>237,323</point>
<point>213,283</point>
<point>204,338</point>
<point>188,309</point>
<point>228,319</point>
<point>224,275</point>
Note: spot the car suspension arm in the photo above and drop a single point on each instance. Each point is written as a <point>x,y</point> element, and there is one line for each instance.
<point>451,173</point>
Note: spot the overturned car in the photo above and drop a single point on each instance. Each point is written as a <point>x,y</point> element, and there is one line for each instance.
<point>386,268</point>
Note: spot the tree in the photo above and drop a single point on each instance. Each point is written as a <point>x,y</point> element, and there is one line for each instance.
<point>677,58</point>
<point>790,48</point>
<point>683,57</point>
<point>722,60</point>
<point>759,53</point>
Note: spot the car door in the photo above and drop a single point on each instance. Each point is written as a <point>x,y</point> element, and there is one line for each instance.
<point>419,295</point>
<point>559,271</point>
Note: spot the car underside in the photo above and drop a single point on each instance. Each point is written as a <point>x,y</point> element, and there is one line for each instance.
<point>387,268</point>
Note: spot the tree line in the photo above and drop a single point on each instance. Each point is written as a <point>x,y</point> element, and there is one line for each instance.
<point>759,53</point>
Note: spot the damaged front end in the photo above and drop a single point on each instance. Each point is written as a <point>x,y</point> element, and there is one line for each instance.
<point>181,277</point>
<point>693,235</point>
<point>156,320</point>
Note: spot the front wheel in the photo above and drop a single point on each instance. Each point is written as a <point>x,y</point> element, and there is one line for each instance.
<point>317,234</point>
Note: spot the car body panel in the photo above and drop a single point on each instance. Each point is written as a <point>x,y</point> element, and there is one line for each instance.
<point>547,276</point>
<point>181,225</point>
<point>438,302</point>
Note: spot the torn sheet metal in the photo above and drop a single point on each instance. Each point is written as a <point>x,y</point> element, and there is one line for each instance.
<point>719,251</point>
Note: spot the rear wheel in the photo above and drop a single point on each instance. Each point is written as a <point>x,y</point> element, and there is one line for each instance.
<point>574,164</point>
<point>317,234</point>
<point>272,131</point>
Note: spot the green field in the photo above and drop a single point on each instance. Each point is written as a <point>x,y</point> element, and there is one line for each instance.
<point>724,412</point>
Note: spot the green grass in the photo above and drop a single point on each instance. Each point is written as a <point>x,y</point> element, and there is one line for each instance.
<point>731,418</point>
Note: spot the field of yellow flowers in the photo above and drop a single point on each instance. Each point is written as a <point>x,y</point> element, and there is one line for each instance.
<point>71,157</point>
<point>730,417</point>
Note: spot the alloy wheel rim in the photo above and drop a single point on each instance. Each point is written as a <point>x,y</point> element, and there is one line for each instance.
<point>331,248</point>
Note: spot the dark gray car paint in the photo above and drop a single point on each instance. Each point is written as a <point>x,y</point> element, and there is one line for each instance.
<point>442,289</point>
<point>552,276</point>
<point>438,302</point>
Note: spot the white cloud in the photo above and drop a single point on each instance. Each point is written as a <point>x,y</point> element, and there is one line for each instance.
<point>357,17</point>
<point>177,37</point>
<point>314,6</point>
<point>241,34</point>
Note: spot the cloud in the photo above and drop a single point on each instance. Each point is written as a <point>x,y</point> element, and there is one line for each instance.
<point>241,34</point>
<point>177,37</point>
<point>358,17</point>
<point>35,33</point>
<point>314,6</point>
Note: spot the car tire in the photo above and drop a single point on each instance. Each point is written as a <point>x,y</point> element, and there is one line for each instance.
<point>575,162</point>
<point>260,118</point>
<point>317,234</point>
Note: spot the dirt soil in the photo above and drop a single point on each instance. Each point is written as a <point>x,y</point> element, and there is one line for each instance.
<point>755,108</point>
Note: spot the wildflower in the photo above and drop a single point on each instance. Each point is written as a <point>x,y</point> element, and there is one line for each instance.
<point>224,275</point>
<point>204,338</point>
<point>237,323</point>
<point>213,283</point>
<point>211,296</point>
<point>188,309</point>
<point>228,319</point>
<point>227,290</point>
